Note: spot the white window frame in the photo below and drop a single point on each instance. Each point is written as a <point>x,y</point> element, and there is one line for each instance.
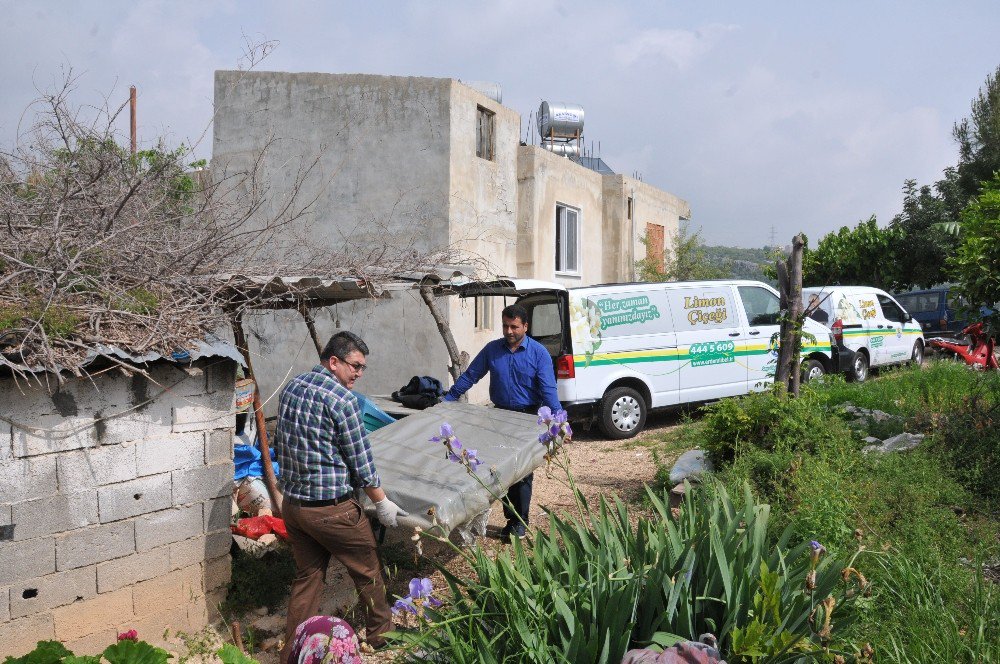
<point>483,312</point>
<point>562,253</point>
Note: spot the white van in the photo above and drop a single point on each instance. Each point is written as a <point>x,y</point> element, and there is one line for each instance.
<point>620,350</point>
<point>869,322</point>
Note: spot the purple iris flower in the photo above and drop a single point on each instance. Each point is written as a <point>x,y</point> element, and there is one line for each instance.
<point>560,417</point>
<point>544,414</point>
<point>418,597</point>
<point>404,604</point>
<point>472,459</point>
<point>446,431</point>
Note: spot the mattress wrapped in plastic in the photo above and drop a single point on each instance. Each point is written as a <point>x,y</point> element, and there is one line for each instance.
<point>417,476</point>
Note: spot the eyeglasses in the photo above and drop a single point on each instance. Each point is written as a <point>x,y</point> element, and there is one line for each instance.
<point>359,367</point>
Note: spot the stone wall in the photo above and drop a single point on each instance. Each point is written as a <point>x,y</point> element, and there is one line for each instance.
<point>114,504</point>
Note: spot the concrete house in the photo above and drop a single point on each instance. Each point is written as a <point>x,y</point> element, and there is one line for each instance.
<point>435,163</point>
<point>115,502</point>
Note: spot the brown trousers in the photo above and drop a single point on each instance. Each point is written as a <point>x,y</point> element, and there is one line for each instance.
<point>341,531</point>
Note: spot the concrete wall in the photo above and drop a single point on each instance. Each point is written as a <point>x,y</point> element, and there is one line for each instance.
<point>610,242</point>
<point>114,512</point>
<point>650,205</point>
<point>546,180</point>
<point>400,333</point>
<point>482,210</point>
<point>383,145</point>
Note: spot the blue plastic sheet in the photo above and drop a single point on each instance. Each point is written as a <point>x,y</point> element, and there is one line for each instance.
<point>247,457</point>
<point>373,417</point>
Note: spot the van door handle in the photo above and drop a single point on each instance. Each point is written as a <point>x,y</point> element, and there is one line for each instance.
<point>734,334</point>
<point>880,327</point>
<point>754,333</point>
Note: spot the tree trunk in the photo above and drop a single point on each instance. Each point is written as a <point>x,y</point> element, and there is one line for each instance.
<point>790,345</point>
<point>459,360</point>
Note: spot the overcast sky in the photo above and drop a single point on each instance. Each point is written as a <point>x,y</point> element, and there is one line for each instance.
<point>791,115</point>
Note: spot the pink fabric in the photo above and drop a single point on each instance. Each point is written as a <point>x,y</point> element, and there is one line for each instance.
<point>320,636</point>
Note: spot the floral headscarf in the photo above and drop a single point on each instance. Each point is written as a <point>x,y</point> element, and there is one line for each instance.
<point>324,640</point>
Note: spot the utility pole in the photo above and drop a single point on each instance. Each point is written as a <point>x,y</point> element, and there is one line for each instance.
<point>131,108</point>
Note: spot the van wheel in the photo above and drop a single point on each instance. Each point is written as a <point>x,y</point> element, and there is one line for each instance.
<point>859,370</point>
<point>623,413</point>
<point>812,370</point>
<point>918,354</point>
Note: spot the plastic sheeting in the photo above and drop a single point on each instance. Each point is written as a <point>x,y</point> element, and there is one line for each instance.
<point>417,476</point>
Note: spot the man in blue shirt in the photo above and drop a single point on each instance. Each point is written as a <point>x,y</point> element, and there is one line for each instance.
<point>521,378</point>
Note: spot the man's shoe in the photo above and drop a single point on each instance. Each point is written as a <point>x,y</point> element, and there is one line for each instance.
<point>511,531</point>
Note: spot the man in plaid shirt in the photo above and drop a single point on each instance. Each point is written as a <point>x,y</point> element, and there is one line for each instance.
<point>324,456</point>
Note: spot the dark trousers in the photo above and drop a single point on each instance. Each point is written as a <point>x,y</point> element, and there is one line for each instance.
<point>343,532</point>
<point>519,494</point>
<point>518,501</point>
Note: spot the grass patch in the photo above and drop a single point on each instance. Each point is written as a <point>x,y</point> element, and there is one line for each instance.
<point>916,515</point>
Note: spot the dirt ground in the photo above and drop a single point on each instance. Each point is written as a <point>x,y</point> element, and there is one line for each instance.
<point>601,467</point>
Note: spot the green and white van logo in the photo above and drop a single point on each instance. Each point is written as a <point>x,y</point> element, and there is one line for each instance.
<point>876,342</point>
<point>626,311</point>
<point>712,352</point>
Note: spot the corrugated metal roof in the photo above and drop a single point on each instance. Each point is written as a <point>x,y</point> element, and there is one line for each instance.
<point>209,347</point>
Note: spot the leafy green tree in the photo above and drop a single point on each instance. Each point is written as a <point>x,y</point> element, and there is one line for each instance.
<point>978,138</point>
<point>922,226</point>
<point>865,254</point>
<point>976,263</point>
<point>685,259</point>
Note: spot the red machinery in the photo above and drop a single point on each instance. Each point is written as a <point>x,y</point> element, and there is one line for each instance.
<point>977,353</point>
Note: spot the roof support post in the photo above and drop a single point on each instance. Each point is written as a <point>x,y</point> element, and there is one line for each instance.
<point>239,335</point>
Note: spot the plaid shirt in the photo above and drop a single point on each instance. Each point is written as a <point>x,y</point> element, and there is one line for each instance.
<point>320,443</point>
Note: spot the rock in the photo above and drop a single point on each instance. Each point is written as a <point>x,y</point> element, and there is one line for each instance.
<point>690,466</point>
<point>899,443</point>
<point>872,440</point>
<point>270,624</point>
<point>677,495</point>
<point>881,416</point>
<point>272,644</point>
<point>260,611</point>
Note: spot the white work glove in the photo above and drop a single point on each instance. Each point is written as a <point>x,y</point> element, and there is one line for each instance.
<point>386,511</point>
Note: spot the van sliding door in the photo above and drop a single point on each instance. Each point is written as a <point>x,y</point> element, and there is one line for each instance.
<point>710,337</point>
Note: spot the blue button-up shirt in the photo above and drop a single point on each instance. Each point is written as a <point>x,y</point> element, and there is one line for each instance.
<point>320,441</point>
<point>519,379</point>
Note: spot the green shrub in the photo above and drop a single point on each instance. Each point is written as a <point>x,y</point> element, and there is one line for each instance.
<point>125,651</point>
<point>769,421</point>
<point>595,585</point>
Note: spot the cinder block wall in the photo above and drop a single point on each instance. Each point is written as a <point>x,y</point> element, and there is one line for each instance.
<point>114,505</point>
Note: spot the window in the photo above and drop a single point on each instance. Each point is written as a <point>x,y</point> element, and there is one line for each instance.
<point>890,310</point>
<point>484,312</point>
<point>629,209</point>
<point>485,123</point>
<point>762,306</point>
<point>567,239</point>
